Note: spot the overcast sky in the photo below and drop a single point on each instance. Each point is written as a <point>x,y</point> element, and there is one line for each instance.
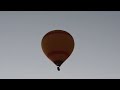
<point>97,44</point>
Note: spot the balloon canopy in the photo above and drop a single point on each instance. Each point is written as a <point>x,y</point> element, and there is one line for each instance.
<point>57,46</point>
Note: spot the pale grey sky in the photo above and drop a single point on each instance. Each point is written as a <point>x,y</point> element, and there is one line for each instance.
<point>97,44</point>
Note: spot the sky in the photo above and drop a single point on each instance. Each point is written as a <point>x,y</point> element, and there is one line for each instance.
<point>96,54</point>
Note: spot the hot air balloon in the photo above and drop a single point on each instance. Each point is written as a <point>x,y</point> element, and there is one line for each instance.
<point>57,46</point>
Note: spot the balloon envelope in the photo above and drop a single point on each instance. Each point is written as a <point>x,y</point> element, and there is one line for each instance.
<point>57,46</point>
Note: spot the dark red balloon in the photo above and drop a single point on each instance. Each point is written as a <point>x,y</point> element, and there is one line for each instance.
<point>57,46</point>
